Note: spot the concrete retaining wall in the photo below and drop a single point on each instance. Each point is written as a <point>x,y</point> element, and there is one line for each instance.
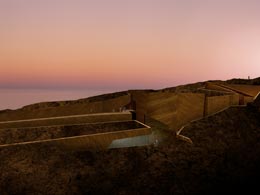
<point>140,100</point>
<point>251,90</point>
<point>98,141</point>
<point>177,109</point>
<point>190,107</point>
<point>74,137</point>
<point>76,119</point>
<point>163,107</point>
<point>248,99</point>
<point>172,109</point>
<point>110,105</point>
<point>215,104</point>
<point>213,86</point>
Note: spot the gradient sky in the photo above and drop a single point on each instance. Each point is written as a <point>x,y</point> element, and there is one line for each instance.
<point>126,44</point>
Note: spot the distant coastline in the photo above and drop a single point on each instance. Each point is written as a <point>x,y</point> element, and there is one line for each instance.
<point>17,98</point>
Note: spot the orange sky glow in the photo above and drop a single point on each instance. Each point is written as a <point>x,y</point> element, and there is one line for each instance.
<point>126,44</point>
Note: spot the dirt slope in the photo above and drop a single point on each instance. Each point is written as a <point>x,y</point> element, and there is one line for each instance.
<point>224,158</point>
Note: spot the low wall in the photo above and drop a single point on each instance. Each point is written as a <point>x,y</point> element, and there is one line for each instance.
<point>178,109</point>
<point>190,107</point>
<point>248,99</point>
<point>78,108</point>
<point>257,100</point>
<point>98,141</point>
<point>251,90</point>
<point>215,104</point>
<point>213,86</point>
<point>172,109</point>
<point>163,107</point>
<point>140,100</point>
<point>142,140</point>
<point>87,136</point>
<point>76,119</point>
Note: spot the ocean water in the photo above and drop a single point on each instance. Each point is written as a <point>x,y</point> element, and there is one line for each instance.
<point>17,98</point>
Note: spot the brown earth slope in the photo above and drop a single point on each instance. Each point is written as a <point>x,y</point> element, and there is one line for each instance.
<point>224,158</point>
<point>97,104</point>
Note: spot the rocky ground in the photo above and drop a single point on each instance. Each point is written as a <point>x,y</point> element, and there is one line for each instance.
<point>225,157</point>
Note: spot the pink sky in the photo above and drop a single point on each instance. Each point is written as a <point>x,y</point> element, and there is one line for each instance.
<point>123,44</point>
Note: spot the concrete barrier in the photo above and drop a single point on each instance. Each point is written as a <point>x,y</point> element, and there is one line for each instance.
<point>172,109</point>
<point>213,86</point>
<point>217,103</point>
<point>72,108</point>
<point>175,109</point>
<point>76,137</point>
<point>68,120</point>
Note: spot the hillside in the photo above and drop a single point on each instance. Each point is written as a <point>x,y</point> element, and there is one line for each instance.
<point>95,104</point>
<point>223,159</point>
<point>255,81</point>
<point>174,106</point>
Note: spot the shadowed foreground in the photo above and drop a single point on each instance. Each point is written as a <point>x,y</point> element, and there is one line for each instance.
<point>225,157</point>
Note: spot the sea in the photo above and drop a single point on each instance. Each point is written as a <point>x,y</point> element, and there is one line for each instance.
<point>17,98</point>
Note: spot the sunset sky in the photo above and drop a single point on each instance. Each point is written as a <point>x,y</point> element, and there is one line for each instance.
<point>123,44</point>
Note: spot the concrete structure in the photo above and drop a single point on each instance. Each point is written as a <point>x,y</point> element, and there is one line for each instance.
<point>246,92</point>
<point>58,109</point>
<point>238,95</point>
<point>173,108</point>
<point>68,120</point>
<point>93,136</point>
<point>256,102</point>
<point>178,109</point>
<point>217,103</point>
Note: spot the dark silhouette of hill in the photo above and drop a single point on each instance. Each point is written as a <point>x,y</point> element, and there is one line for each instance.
<point>255,81</point>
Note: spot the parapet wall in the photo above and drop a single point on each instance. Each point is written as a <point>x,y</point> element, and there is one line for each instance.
<point>84,136</point>
<point>251,90</point>
<point>248,99</point>
<point>215,104</point>
<point>68,120</point>
<point>178,109</point>
<point>30,112</point>
<point>172,109</point>
<point>190,107</point>
<point>213,86</point>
